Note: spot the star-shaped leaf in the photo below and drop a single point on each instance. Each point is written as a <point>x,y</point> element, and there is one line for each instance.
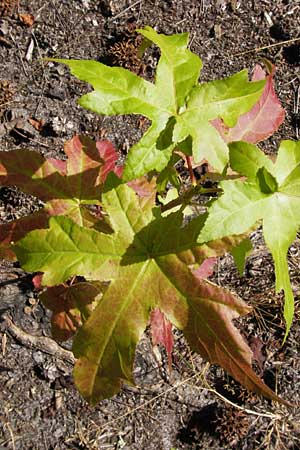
<point>176,104</point>
<point>66,186</point>
<point>271,194</point>
<point>149,262</point>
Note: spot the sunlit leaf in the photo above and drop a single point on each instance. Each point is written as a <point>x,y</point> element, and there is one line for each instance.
<point>271,194</point>
<point>148,262</point>
<point>179,108</point>
<point>263,119</point>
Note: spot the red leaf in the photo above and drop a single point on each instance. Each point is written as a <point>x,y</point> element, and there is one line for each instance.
<point>262,120</point>
<point>71,305</point>
<point>161,332</point>
<point>206,268</point>
<point>37,124</point>
<point>110,158</point>
<point>27,19</point>
<point>37,281</point>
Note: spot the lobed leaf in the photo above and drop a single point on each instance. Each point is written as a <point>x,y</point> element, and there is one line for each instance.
<point>226,99</point>
<point>275,200</point>
<point>148,260</point>
<point>66,187</point>
<point>178,107</point>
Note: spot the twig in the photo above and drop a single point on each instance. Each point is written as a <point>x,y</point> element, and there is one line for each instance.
<point>44,74</point>
<point>126,9</point>
<point>290,41</point>
<point>186,197</point>
<point>148,402</point>
<point>7,425</point>
<point>248,411</point>
<point>42,343</point>
<point>20,54</point>
<point>30,139</point>
<point>181,383</point>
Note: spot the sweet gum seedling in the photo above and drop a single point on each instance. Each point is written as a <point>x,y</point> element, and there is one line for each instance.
<point>102,222</point>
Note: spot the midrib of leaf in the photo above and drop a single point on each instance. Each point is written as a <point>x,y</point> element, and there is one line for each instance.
<point>258,119</point>
<point>173,82</point>
<point>125,304</point>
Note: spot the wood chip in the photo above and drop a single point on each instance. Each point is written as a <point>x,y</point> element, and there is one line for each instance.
<point>27,19</point>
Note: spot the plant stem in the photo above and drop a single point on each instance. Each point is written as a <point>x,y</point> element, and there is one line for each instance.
<point>191,172</point>
<point>186,197</point>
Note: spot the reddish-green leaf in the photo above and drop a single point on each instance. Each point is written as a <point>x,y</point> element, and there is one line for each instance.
<point>148,261</point>
<point>262,120</point>
<point>11,232</point>
<point>161,332</point>
<point>67,187</point>
<point>71,306</point>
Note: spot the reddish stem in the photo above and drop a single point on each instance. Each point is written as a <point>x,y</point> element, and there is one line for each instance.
<point>191,172</point>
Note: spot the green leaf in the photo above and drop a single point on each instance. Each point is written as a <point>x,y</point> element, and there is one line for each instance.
<point>246,160</point>
<point>148,260</point>
<point>271,194</point>
<point>240,253</point>
<point>226,99</point>
<point>178,107</point>
<point>67,250</point>
<point>168,175</point>
<point>178,68</point>
<point>266,181</point>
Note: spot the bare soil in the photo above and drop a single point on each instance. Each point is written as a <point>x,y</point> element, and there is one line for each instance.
<point>197,406</point>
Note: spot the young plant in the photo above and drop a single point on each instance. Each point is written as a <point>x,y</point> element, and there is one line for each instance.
<point>140,260</point>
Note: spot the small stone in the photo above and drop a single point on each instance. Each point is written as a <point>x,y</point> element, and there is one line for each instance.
<point>70,125</point>
<point>4,28</point>
<point>38,357</point>
<point>51,371</point>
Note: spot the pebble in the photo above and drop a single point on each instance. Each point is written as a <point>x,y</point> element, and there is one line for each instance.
<point>38,357</point>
